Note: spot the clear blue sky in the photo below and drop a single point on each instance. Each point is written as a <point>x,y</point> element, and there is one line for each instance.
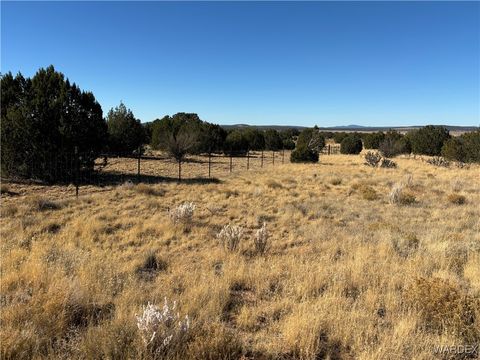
<point>325,63</point>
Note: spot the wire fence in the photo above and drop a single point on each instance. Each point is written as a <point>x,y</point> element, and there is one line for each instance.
<point>82,169</point>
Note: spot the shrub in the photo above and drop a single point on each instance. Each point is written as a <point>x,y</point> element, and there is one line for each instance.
<point>465,148</point>
<point>261,239</point>
<point>445,308</point>
<point>304,155</point>
<point>457,199</point>
<point>428,140</point>
<point>368,193</point>
<point>182,213</point>
<point>150,265</point>
<point>453,149</point>
<point>438,161</point>
<point>373,140</point>
<point>161,328</point>
<point>398,196</point>
<point>394,144</point>
<point>339,136</point>
<point>230,237</point>
<point>387,163</point>
<point>352,144</point>
<point>372,158</point>
<point>471,143</point>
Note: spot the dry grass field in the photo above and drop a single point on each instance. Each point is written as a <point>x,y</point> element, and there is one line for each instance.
<point>347,274</point>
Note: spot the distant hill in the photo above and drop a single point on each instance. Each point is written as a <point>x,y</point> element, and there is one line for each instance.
<point>349,128</point>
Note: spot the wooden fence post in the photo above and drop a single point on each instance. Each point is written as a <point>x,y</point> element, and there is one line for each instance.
<point>231,162</point>
<point>273,157</point>
<point>248,159</point>
<point>261,165</point>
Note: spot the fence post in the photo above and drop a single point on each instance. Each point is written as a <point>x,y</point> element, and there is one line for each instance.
<point>248,159</point>
<point>273,157</point>
<point>261,165</point>
<point>328,149</point>
<point>231,162</point>
<point>138,164</point>
<point>76,171</point>
<point>209,163</point>
<point>179,170</point>
<point>283,156</point>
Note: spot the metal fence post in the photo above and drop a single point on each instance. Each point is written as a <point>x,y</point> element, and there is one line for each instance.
<point>209,164</point>
<point>76,171</point>
<point>138,164</point>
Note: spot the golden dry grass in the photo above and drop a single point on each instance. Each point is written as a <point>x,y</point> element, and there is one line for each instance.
<point>347,275</point>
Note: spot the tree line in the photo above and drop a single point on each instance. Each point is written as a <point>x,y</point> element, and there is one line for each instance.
<point>47,117</point>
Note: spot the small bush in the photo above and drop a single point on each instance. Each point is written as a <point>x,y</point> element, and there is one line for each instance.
<point>372,158</point>
<point>40,204</point>
<point>352,144</point>
<point>150,265</point>
<point>182,214</point>
<point>336,181</point>
<point>457,199</point>
<point>405,246</point>
<point>303,154</point>
<point>445,309</point>
<point>438,161</point>
<point>399,196</point>
<point>387,163</point>
<point>161,329</point>
<point>368,193</point>
<point>261,239</point>
<point>230,237</point>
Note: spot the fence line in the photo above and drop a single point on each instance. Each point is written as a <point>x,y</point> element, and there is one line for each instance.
<point>82,169</point>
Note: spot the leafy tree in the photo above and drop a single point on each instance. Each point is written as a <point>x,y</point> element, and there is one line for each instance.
<point>373,140</point>
<point>43,120</point>
<point>428,140</point>
<point>352,144</point>
<point>125,132</point>
<point>273,141</point>
<point>177,135</point>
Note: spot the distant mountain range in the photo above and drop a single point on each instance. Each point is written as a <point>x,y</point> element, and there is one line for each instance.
<point>349,128</point>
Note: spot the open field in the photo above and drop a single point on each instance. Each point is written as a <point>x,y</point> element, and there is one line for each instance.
<point>347,274</point>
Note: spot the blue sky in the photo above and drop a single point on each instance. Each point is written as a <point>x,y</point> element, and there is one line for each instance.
<point>324,63</point>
